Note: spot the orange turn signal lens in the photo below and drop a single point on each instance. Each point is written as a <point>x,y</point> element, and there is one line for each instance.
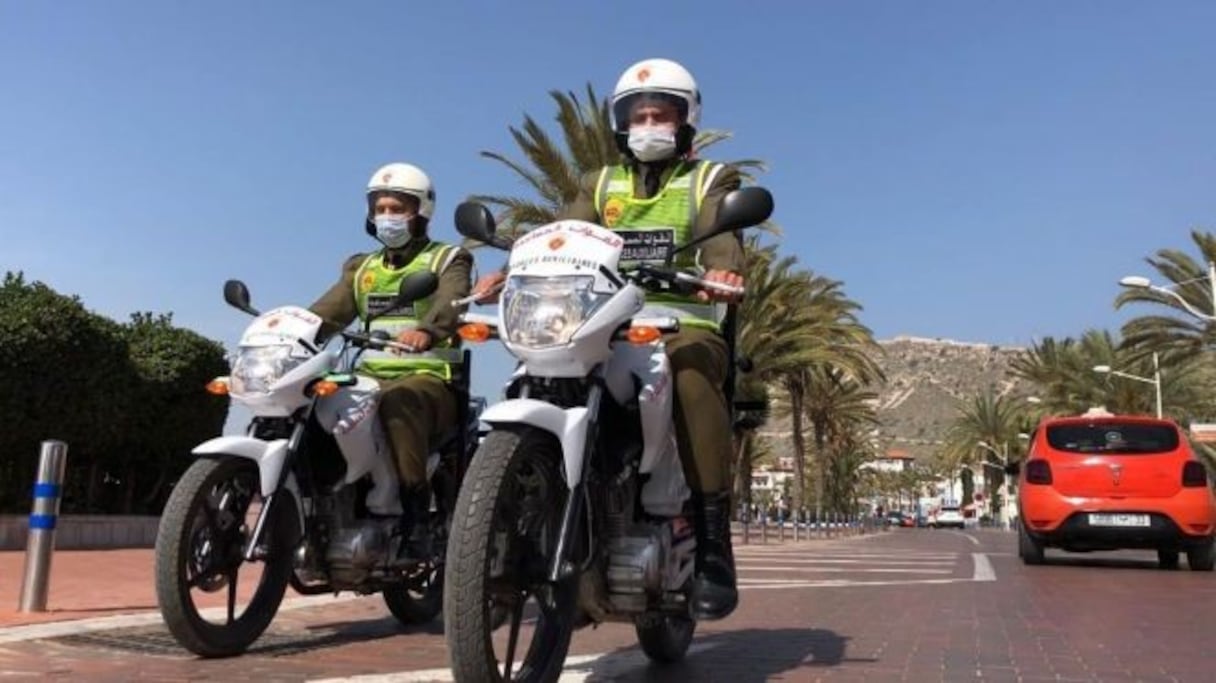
<point>474,332</point>
<point>218,386</point>
<point>643,334</point>
<point>325,388</point>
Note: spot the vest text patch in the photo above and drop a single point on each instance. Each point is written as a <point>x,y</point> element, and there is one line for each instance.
<point>647,246</point>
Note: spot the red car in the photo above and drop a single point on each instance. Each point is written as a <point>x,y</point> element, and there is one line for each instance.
<point>1105,482</point>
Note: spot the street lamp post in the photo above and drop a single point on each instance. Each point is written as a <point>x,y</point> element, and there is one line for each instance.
<point>1140,282</point>
<point>1003,454</point>
<point>1155,381</point>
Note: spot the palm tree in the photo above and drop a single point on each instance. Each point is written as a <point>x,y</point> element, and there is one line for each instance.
<point>1063,370</point>
<point>794,321</point>
<point>839,408</point>
<point>985,418</point>
<point>1063,374</point>
<point>848,451</point>
<point>1179,336</point>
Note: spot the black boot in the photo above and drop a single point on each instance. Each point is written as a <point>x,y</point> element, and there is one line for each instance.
<point>415,524</point>
<point>714,595</point>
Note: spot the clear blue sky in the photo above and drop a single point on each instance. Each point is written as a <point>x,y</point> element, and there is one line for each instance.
<point>979,171</point>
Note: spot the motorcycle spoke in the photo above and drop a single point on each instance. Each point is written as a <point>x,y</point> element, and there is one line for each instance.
<point>232,574</point>
<point>517,615</point>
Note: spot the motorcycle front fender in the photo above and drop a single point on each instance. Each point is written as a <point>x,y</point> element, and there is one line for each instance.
<point>569,425</point>
<point>269,456</point>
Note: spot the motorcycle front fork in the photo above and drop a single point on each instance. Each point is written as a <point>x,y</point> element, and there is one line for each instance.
<point>254,548</point>
<point>562,567</point>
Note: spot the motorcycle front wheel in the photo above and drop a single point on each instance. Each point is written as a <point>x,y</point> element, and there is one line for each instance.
<point>504,531</point>
<point>214,602</point>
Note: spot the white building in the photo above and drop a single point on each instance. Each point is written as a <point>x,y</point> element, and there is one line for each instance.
<point>894,460</point>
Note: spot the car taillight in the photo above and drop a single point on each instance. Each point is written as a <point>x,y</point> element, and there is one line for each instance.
<point>1038,472</point>
<point>1194,474</point>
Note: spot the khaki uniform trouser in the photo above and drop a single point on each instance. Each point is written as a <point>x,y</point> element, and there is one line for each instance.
<point>702,418</point>
<point>417,411</point>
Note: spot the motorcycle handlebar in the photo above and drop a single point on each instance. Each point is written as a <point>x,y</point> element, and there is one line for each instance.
<point>679,277</point>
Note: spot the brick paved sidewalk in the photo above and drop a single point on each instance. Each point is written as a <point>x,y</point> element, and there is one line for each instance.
<point>83,584</point>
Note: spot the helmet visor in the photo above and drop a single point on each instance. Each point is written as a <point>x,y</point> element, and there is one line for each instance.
<point>411,201</point>
<point>638,107</point>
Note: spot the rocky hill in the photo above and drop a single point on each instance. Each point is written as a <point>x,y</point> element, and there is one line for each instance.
<point>926,379</point>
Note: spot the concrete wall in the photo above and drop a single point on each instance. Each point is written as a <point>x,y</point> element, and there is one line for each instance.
<point>85,532</point>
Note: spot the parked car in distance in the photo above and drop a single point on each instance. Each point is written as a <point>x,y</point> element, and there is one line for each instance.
<point>949,516</point>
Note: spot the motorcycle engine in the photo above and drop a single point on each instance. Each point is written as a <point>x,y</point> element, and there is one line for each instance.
<point>356,547</point>
<point>646,559</point>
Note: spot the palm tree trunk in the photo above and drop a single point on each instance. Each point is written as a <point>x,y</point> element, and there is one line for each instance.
<point>795,390</point>
<point>820,463</point>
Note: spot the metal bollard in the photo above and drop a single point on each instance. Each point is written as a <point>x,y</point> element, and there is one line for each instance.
<point>781,531</point>
<point>764,529</point>
<point>41,542</point>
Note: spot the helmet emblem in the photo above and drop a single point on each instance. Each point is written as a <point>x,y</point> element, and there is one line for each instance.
<point>386,178</point>
<point>273,322</point>
<point>643,74</point>
<point>557,243</point>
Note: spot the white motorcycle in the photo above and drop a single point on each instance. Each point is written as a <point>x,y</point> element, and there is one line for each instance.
<point>575,500</point>
<point>309,497</point>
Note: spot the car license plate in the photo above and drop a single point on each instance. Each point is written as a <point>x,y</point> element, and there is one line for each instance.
<point>1119,520</point>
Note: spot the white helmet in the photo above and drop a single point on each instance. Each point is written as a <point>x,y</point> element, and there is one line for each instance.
<point>661,78</point>
<point>403,179</point>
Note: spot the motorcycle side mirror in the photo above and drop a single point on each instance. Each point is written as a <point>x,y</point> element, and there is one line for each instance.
<point>474,221</point>
<point>1013,468</point>
<point>743,208</point>
<point>416,286</point>
<point>237,296</point>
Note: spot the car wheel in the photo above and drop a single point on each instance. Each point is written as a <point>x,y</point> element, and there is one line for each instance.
<point>1167,559</point>
<point>1030,550</point>
<point>1202,558</point>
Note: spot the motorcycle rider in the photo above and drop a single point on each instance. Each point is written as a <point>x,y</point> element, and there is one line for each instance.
<point>417,404</point>
<point>660,198</point>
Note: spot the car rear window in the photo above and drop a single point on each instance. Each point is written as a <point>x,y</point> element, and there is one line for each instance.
<point>1113,438</point>
<point>950,509</point>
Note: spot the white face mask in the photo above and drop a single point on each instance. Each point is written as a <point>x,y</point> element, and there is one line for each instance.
<point>652,143</point>
<point>392,230</point>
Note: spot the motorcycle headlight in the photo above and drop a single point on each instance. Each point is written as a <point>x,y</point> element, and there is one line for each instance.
<point>258,367</point>
<point>546,311</point>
